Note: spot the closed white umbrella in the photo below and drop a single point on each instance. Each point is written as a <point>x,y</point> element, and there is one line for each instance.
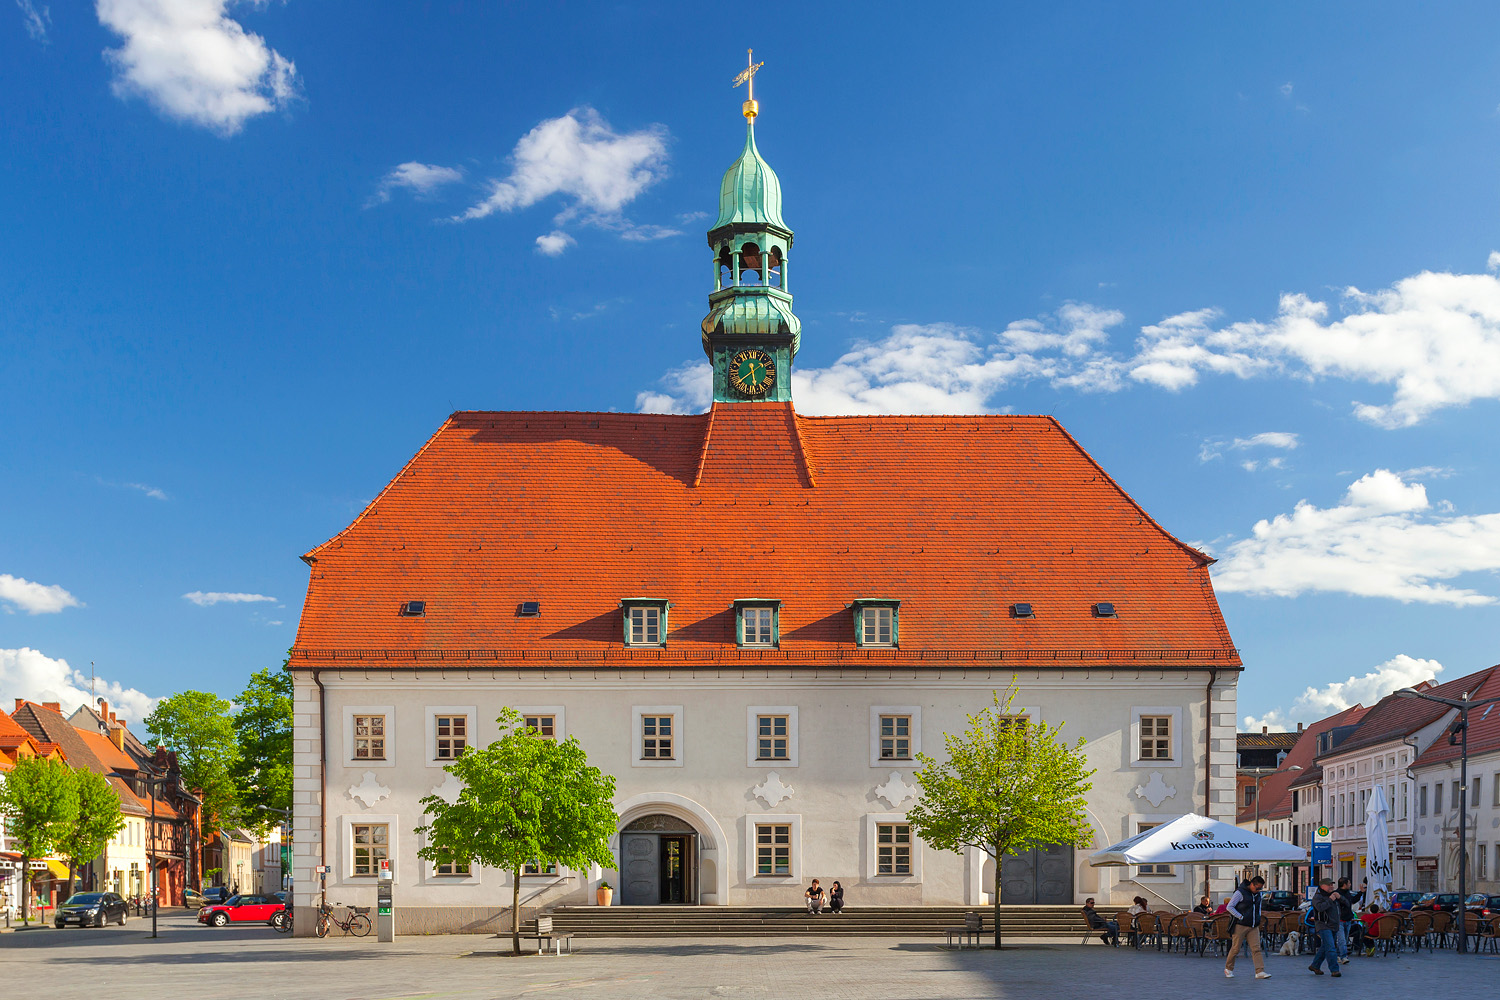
<point>1377,850</point>
<point>1196,840</point>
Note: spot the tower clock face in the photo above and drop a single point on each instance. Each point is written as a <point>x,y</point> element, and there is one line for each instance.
<point>752,372</point>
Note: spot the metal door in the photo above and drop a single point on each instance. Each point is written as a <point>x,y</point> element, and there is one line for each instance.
<point>1042,875</point>
<point>640,875</point>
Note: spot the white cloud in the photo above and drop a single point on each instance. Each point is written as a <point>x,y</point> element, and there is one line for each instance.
<point>422,179</point>
<point>1315,704</point>
<point>581,158</point>
<point>34,598</point>
<point>686,389</point>
<point>554,243</point>
<point>1493,263</point>
<point>1267,439</point>
<point>30,674</point>
<point>1381,541</point>
<point>151,491</point>
<point>193,62</point>
<point>203,600</point>
<point>1286,90</point>
<point>1213,448</point>
<point>37,19</point>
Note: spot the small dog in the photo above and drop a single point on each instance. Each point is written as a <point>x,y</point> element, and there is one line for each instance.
<point>1292,943</point>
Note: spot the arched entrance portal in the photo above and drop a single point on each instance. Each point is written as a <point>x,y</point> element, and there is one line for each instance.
<point>658,861</point>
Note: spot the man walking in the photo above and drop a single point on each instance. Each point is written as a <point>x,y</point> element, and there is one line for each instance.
<point>1244,907</point>
<point>1347,901</point>
<point>1325,909</point>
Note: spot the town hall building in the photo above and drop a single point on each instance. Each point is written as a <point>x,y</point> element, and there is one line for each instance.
<point>755,620</point>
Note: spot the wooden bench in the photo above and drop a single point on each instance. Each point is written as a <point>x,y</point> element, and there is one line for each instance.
<point>969,932</point>
<point>546,935</point>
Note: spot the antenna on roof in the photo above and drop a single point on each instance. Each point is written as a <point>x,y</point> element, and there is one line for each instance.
<point>91,678</point>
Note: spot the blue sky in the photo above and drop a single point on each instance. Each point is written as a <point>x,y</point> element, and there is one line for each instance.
<point>254,253</point>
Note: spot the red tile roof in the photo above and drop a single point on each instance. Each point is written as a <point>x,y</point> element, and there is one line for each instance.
<point>1484,727</point>
<point>1275,790</point>
<point>958,517</point>
<point>1392,717</point>
<point>1265,741</point>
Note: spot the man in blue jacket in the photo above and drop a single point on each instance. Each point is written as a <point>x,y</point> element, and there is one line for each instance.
<point>1244,907</point>
<point>1325,910</point>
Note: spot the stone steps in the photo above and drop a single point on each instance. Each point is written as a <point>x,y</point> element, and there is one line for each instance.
<point>767,921</point>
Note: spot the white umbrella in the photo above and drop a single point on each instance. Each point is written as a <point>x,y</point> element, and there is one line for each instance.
<point>1196,840</point>
<point>1377,850</point>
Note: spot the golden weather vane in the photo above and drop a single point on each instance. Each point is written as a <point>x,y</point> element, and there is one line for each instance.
<point>747,75</point>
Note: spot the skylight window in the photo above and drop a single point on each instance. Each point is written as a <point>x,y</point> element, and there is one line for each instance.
<point>529,609</point>
<point>1022,611</point>
<point>1104,610</point>
<point>414,609</point>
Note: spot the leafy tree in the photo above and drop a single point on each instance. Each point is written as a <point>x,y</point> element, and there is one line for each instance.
<point>196,725</point>
<point>526,799</point>
<point>262,771</point>
<point>1008,785</point>
<point>39,803</point>
<point>95,824</point>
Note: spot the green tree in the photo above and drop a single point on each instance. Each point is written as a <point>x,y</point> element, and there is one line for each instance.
<point>94,825</point>
<point>526,799</point>
<point>262,770</point>
<point>196,725</point>
<point>1009,784</point>
<point>39,803</point>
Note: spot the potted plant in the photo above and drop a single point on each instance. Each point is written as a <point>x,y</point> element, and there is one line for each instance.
<point>604,894</point>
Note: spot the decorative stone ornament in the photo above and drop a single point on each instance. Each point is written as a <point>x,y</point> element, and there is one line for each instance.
<point>369,791</point>
<point>896,791</point>
<point>448,790</point>
<point>1155,791</point>
<point>772,790</point>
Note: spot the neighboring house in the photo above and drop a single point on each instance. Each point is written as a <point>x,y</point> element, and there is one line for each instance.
<point>1257,756</point>
<point>754,620</point>
<point>18,744</point>
<point>1289,804</point>
<point>124,867</point>
<point>1435,774</point>
<point>1378,752</point>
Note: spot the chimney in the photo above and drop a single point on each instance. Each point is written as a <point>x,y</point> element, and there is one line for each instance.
<point>117,734</point>
<point>103,709</point>
<point>1264,730</point>
<point>20,703</point>
<point>53,706</point>
<point>1299,727</point>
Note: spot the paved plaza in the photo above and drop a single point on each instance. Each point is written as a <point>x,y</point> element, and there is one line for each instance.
<point>255,962</point>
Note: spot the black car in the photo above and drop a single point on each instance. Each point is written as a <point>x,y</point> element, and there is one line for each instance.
<point>1484,904</point>
<point>1279,899</point>
<point>1438,901</point>
<point>214,894</point>
<point>91,909</point>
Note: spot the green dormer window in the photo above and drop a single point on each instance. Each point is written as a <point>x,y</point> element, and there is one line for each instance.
<point>645,621</point>
<point>757,623</point>
<point>877,623</point>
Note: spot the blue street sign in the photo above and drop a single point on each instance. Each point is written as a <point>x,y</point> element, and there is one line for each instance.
<point>1322,854</point>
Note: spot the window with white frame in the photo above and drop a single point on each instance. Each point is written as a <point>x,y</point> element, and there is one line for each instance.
<point>892,849</point>
<point>771,737</point>
<point>456,869</point>
<point>369,737</point>
<point>895,737</point>
<point>659,731</point>
<point>452,735</point>
<point>537,868</point>
<point>658,737</point>
<point>773,849</point>
<point>645,622</point>
<point>877,626</point>
<point>371,845</point>
<point>1156,736</point>
<point>545,725</point>
<point>758,625</point>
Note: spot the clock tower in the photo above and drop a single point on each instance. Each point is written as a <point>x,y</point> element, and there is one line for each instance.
<point>750,333</point>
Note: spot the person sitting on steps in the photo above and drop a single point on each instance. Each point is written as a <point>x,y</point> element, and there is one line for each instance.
<point>836,898</point>
<point>814,896</point>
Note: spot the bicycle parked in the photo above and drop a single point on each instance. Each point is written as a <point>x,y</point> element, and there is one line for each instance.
<point>282,921</point>
<point>357,922</point>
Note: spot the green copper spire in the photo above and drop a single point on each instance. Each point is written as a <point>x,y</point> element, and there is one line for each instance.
<point>750,333</point>
<point>750,191</point>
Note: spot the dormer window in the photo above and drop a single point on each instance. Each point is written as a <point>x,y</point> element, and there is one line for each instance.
<point>645,621</point>
<point>877,622</point>
<point>758,623</point>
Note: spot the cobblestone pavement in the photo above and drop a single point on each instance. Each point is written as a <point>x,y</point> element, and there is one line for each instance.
<point>255,962</point>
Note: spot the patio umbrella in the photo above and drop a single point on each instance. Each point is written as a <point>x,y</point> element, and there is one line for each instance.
<point>1377,850</point>
<point>1196,840</point>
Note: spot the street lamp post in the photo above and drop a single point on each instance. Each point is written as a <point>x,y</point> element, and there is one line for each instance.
<point>151,783</point>
<point>1463,705</point>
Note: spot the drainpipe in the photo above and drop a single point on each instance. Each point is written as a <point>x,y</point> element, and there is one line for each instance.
<point>1208,755</point>
<point>322,771</point>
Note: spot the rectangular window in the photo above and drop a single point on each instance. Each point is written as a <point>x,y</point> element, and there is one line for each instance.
<point>773,849</point>
<point>893,849</point>
<point>876,626</point>
<point>771,737</point>
<point>1474,798</point>
<point>536,868</point>
<point>1495,788</point>
<point>1482,857</point>
<point>1422,801</point>
<point>1453,803</point>
<point>656,737</point>
<point>644,627</point>
<point>545,725</point>
<point>758,626</point>
<point>1249,795</point>
<point>1151,869</point>
<point>455,870</point>
<point>371,846</point>
<point>1156,737</point>
<point>895,737</point>
<point>452,735</point>
<point>369,737</point>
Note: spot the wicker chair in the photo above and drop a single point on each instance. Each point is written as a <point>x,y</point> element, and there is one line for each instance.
<point>1195,933</point>
<point>1442,927</point>
<point>1481,931</point>
<point>1417,929</point>
<point>1221,932</point>
<point>1385,933</point>
<point>1144,926</point>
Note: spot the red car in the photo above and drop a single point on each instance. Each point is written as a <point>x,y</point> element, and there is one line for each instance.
<point>241,909</point>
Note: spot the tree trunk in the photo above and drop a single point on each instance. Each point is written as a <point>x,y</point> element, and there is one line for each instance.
<point>72,869</point>
<point>25,888</point>
<point>515,912</point>
<point>999,860</point>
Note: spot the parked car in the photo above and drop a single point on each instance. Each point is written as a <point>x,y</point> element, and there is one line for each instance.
<point>1404,900</point>
<point>1437,901</point>
<point>214,894</point>
<point>1279,899</point>
<point>91,909</point>
<point>1482,903</point>
<point>246,907</point>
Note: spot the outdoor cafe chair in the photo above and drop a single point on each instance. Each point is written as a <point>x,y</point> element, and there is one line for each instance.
<point>1174,925</point>
<point>1221,932</point>
<point>1481,932</point>
<point>1385,932</point>
<point>1442,927</point>
<point>1144,926</point>
<point>1195,933</point>
<point>1416,927</point>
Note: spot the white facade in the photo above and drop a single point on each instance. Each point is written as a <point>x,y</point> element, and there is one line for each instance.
<point>830,794</point>
<point>124,867</point>
<point>1436,824</point>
